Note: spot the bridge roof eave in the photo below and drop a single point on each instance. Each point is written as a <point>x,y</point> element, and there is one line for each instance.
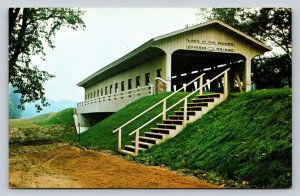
<point>143,52</point>
<point>132,59</point>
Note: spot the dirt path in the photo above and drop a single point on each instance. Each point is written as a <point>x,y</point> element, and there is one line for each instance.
<point>56,164</point>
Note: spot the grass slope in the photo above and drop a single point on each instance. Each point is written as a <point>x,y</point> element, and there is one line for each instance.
<point>64,117</point>
<point>42,128</point>
<point>100,136</point>
<point>246,138</point>
<point>27,122</point>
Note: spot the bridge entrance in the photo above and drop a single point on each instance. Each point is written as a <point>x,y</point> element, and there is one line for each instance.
<point>189,64</point>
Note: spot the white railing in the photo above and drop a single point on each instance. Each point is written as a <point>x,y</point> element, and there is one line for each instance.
<point>163,102</point>
<point>114,102</point>
<point>122,94</point>
<point>185,107</point>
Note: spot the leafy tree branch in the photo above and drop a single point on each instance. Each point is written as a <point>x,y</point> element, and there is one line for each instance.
<point>30,30</point>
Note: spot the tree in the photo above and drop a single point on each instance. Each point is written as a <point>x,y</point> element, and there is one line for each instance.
<point>30,30</point>
<point>269,25</point>
<point>272,72</point>
<point>272,25</point>
<point>228,15</point>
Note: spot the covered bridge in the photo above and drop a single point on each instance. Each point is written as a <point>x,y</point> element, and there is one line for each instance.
<point>167,62</point>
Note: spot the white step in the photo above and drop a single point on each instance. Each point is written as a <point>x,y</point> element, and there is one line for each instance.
<point>156,134</point>
<point>170,120</point>
<point>163,129</point>
<point>126,152</point>
<point>144,143</point>
<point>149,138</point>
<point>172,126</point>
<point>133,147</point>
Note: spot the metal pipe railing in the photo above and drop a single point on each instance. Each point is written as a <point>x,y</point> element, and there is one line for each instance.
<point>119,128</point>
<point>183,99</point>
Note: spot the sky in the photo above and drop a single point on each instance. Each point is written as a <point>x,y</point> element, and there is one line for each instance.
<point>110,33</point>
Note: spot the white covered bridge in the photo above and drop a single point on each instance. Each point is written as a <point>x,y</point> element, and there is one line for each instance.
<point>169,62</point>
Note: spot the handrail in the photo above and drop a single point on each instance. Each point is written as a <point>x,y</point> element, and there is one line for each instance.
<point>148,122</point>
<point>157,104</point>
<point>113,95</point>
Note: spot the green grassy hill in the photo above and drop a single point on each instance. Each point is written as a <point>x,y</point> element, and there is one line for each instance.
<point>28,122</point>
<point>43,127</point>
<point>246,138</point>
<point>100,136</point>
<point>64,117</point>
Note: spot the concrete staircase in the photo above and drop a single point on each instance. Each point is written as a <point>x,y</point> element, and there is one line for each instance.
<point>174,124</point>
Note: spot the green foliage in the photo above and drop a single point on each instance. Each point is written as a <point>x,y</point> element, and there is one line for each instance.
<point>273,25</point>
<point>247,138</point>
<point>64,117</point>
<point>266,69</point>
<point>269,25</point>
<point>29,30</point>
<point>100,136</point>
<point>228,15</point>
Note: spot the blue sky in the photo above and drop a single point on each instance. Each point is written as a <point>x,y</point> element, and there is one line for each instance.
<point>110,34</point>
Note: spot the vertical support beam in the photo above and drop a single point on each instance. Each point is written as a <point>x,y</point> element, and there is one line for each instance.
<point>79,132</point>
<point>230,76</point>
<point>174,88</point>
<point>237,77</point>
<point>247,75</point>
<point>184,87</point>
<point>200,85</point>
<point>119,139</point>
<point>168,70</point>
<point>152,91</point>
<point>226,84</point>
<point>137,133</point>
<point>164,106</point>
<point>184,112</point>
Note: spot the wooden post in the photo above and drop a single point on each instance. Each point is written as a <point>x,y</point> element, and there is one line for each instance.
<point>151,89</point>
<point>237,77</point>
<point>200,85</point>
<point>79,132</point>
<point>184,112</point>
<point>137,133</point>
<point>184,87</point>
<point>164,110</point>
<point>119,139</point>
<point>226,83</point>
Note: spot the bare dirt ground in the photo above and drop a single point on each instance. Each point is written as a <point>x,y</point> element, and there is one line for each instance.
<point>55,164</point>
<point>38,160</point>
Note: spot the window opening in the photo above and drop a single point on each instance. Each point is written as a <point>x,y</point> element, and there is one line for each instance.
<point>137,81</point>
<point>158,73</point>
<point>147,78</point>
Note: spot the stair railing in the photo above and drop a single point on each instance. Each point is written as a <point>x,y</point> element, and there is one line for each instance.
<point>164,103</point>
<point>184,110</point>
